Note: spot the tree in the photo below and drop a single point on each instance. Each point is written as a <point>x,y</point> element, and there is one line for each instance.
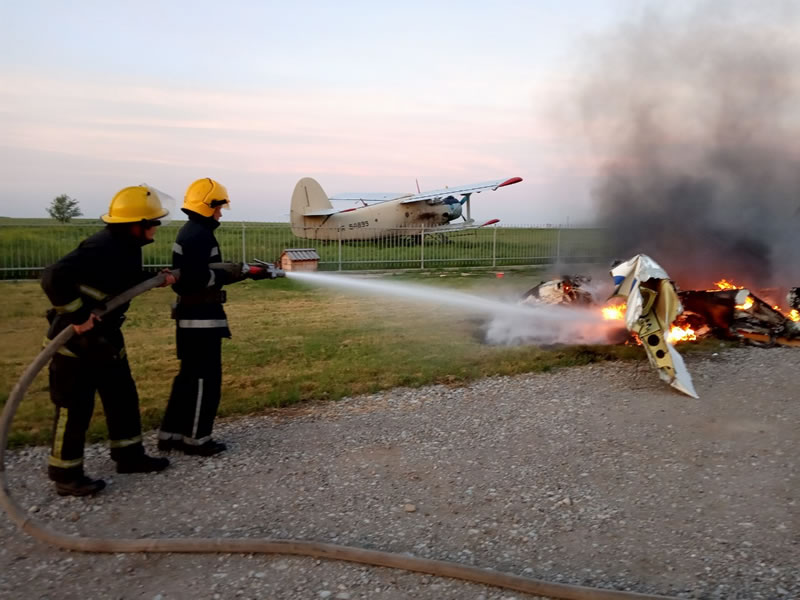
<point>63,208</point>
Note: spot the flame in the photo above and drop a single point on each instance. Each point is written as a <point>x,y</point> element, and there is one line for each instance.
<point>724,284</point>
<point>615,312</point>
<point>792,315</point>
<point>680,334</point>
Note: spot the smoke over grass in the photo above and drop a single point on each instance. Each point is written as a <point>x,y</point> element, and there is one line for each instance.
<point>696,122</point>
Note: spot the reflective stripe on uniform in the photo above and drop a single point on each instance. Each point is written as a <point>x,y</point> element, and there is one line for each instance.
<point>64,464</point>
<point>196,442</point>
<point>70,307</point>
<point>165,435</point>
<point>202,323</point>
<point>177,248</point>
<point>92,292</point>
<point>58,437</point>
<point>215,251</point>
<point>212,279</point>
<point>125,443</point>
<point>197,407</point>
<point>62,350</point>
<point>65,352</point>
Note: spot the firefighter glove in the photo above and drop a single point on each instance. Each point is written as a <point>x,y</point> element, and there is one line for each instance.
<point>234,271</point>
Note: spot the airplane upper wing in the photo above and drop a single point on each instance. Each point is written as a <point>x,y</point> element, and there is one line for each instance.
<point>406,198</point>
<point>462,190</point>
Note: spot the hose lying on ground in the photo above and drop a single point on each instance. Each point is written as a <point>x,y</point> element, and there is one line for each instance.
<point>260,546</point>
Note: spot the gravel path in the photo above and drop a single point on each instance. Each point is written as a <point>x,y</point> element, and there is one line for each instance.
<point>598,475</point>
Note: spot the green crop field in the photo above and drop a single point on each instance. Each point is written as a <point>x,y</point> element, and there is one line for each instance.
<point>27,245</point>
<point>295,343</point>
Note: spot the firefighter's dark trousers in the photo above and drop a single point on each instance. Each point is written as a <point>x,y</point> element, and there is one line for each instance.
<point>196,389</point>
<point>73,383</point>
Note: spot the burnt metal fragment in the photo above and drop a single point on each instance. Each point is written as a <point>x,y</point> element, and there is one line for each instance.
<point>739,314</point>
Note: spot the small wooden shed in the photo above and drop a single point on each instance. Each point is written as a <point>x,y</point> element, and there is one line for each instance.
<point>299,259</point>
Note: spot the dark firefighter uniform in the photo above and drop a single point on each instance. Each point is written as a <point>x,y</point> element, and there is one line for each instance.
<point>101,267</point>
<point>200,324</point>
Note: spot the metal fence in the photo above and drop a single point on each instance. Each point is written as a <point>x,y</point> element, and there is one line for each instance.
<point>25,249</point>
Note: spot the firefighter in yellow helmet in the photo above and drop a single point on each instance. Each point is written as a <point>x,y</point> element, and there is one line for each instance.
<point>200,322</point>
<point>101,267</point>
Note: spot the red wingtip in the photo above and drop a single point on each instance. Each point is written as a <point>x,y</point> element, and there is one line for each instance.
<point>492,222</point>
<point>510,181</point>
<point>349,209</point>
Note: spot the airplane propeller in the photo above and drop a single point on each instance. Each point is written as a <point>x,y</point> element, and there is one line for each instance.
<point>453,207</point>
<point>456,207</point>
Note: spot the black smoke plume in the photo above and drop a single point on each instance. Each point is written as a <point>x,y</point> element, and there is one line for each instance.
<point>696,121</point>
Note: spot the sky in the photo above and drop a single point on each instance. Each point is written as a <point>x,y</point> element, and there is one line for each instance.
<point>362,96</point>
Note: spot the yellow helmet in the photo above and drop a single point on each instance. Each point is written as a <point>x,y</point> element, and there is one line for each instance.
<point>204,195</point>
<point>134,204</point>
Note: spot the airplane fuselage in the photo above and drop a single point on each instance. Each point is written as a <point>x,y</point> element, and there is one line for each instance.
<point>369,222</point>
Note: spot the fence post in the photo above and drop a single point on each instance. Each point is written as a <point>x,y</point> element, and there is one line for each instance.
<point>422,248</point>
<point>340,249</point>
<point>494,246</point>
<point>244,245</point>
<point>558,245</point>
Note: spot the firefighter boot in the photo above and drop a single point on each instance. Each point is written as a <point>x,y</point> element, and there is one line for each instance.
<point>82,486</point>
<point>210,448</point>
<point>169,445</point>
<point>142,463</point>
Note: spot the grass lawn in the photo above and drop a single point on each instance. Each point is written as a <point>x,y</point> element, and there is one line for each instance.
<point>292,343</point>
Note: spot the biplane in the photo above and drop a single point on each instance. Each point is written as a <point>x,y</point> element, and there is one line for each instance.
<point>314,217</point>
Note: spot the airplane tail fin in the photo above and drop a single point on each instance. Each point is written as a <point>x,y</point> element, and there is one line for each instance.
<point>308,197</point>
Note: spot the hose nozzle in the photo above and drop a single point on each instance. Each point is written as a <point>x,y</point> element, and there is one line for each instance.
<point>271,269</point>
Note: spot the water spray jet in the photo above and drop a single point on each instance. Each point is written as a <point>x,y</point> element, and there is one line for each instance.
<point>509,322</point>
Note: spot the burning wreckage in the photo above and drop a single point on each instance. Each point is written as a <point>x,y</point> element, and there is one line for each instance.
<point>657,315</point>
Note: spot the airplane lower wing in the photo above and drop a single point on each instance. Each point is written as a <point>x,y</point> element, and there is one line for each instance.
<point>371,196</point>
<point>460,226</point>
<point>325,212</point>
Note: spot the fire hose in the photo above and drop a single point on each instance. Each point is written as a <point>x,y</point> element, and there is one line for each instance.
<point>379,558</point>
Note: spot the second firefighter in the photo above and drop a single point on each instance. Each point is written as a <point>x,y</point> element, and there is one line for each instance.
<point>201,322</point>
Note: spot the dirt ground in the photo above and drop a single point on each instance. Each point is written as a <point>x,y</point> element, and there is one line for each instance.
<point>598,475</point>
